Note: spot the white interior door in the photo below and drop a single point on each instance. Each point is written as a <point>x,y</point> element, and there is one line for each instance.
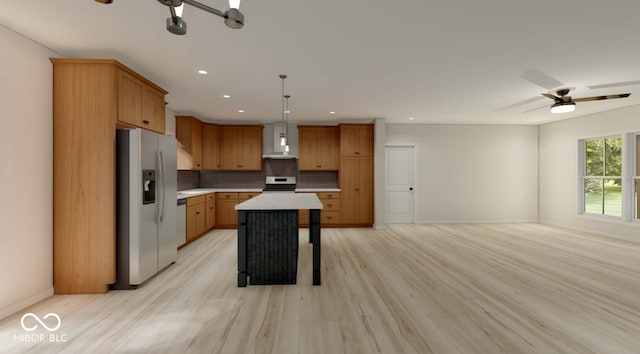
<point>399,184</point>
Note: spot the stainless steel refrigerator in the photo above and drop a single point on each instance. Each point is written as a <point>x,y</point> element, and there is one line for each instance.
<point>146,216</point>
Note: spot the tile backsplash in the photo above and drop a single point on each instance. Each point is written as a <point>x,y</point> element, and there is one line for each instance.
<point>255,179</point>
<point>188,180</point>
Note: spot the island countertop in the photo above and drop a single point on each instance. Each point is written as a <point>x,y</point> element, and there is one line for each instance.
<point>281,201</point>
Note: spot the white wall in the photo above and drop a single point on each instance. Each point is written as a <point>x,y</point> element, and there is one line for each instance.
<point>559,170</point>
<point>26,232</point>
<point>472,173</point>
<point>380,193</point>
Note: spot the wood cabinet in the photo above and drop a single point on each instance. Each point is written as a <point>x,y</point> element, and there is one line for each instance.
<point>210,211</point>
<point>189,136</point>
<point>331,208</point>
<point>319,148</point>
<point>226,215</point>
<point>330,215</point>
<point>89,102</point>
<point>356,174</point>
<point>244,196</point>
<point>356,140</point>
<point>210,147</point>
<point>196,217</point>
<point>139,103</point>
<point>356,184</point>
<point>241,147</point>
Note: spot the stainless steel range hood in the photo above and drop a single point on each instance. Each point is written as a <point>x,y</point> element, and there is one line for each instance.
<point>271,142</point>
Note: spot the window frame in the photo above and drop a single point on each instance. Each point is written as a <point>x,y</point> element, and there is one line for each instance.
<point>582,176</point>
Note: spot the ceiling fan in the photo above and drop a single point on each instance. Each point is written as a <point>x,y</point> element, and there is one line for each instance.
<point>565,104</point>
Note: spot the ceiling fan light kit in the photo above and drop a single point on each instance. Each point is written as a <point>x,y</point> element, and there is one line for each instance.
<point>233,18</point>
<point>564,107</point>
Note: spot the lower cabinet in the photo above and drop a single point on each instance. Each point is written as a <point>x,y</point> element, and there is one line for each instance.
<point>196,219</point>
<point>226,216</point>
<point>330,215</point>
<point>210,211</point>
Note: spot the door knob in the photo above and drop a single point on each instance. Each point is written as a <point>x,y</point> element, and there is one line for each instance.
<point>410,188</point>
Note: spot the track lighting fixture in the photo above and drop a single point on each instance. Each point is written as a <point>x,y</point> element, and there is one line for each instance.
<point>233,18</point>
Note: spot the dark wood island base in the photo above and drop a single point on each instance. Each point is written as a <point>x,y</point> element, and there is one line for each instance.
<point>268,246</point>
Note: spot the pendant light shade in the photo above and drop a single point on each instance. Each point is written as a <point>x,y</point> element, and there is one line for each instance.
<point>234,4</point>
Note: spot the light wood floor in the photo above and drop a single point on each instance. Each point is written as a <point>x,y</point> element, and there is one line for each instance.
<point>521,288</point>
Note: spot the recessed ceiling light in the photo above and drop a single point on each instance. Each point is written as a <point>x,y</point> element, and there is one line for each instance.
<point>202,72</point>
<point>241,111</point>
<point>287,112</point>
<point>226,96</point>
<point>411,118</point>
<point>332,112</point>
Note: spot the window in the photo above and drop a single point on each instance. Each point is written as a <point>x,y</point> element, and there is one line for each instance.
<point>603,176</point>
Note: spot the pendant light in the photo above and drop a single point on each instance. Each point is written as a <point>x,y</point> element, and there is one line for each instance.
<point>286,125</point>
<point>283,132</point>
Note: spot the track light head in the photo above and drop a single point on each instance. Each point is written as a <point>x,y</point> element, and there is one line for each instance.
<point>233,18</point>
<point>178,27</point>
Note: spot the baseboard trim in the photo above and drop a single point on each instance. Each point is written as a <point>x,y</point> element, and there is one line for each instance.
<point>6,312</point>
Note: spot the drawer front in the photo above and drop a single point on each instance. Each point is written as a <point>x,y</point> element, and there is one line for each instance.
<point>330,217</point>
<point>329,195</point>
<point>330,204</point>
<point>211,197</point>
<point>196,200</point>
<point>247,195</point>
<point>224,196</point>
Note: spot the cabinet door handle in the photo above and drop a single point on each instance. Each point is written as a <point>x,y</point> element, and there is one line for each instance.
<point>318,166</point>
<point>357,189</point>
<point>357,153</point>
<point>329,195</point>
<point>329,217</point>
<point>197,213</point>
<point>145,121</point>
<point>329,205</point>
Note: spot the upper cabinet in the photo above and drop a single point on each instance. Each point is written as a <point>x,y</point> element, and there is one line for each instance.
<point>140,103</point>
<point>241,147</point>
<point>356,140</point>
<point>189,136</point>
<point>210,147</point>
<point>318,148</point>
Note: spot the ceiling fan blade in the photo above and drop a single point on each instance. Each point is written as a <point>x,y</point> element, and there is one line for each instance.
<point>541,79</point>
<point>521,103</point>
<point>615,84</point>
<point>600,98</point>
<point>535,109</point>
<point>555,98</point>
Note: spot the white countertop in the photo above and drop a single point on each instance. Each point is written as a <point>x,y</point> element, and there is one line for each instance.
<point>281,201</point>
<point>200,191</point>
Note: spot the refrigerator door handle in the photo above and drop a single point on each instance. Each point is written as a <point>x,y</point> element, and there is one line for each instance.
<point>160,189</point>
<point>164,184</point>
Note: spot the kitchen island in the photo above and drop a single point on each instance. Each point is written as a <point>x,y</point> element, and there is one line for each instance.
<point>268,237</point>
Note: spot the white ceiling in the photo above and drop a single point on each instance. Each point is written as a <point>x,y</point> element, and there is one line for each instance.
<point>464,61</point>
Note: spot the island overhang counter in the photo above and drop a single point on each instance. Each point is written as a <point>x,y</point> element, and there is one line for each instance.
<point>268,237</point>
